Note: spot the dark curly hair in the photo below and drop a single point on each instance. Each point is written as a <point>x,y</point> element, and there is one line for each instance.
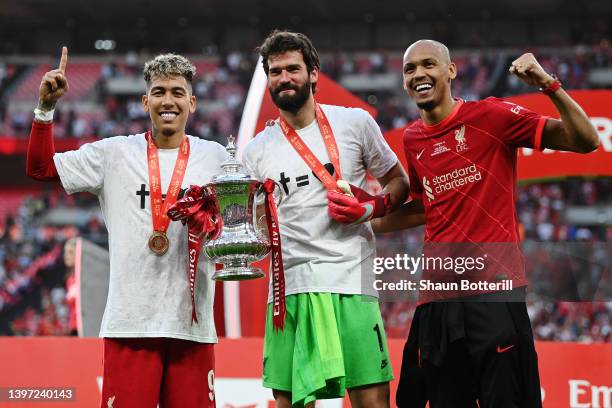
<point>281,41</point>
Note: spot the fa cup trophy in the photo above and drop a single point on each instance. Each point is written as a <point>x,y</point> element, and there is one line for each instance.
<point>241,241</point>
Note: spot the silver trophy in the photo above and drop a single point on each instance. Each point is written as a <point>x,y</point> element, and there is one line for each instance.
<point>241,241</point>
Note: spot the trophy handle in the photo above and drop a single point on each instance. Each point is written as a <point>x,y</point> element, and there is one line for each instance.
<point>259,200</point>
<point>278,188</point>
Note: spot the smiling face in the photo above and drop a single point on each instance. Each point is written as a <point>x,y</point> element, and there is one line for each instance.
<point>289,81</point>
<point>428,72</point>
<point>169,102</point>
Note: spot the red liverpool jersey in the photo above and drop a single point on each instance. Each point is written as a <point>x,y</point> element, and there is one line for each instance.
<point>464,170</point>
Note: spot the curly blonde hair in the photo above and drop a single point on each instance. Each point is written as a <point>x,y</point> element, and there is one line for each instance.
<point>167,66</point>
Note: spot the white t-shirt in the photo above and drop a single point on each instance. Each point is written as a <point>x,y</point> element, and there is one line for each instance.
<point>148,295</point>
<point>320,254</point>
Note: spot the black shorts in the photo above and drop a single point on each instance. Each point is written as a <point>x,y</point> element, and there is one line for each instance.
<point>470,354</point>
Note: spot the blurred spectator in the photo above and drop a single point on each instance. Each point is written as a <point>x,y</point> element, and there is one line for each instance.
<point>221,85</point>
<point>71,284</point>
<point>33,275</point>
<point>42,303</point>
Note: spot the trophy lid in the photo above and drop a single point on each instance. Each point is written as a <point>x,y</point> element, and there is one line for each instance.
<point>232,168</point>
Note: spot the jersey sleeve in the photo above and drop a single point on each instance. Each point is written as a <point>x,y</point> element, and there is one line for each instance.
<point>515,125</point>
<point>83,169</point>
<point>378,156</point>
<point>416,190</point>
<point>39,158</point>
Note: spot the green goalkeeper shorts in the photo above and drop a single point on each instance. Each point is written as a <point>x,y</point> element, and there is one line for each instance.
<point>330,342</point>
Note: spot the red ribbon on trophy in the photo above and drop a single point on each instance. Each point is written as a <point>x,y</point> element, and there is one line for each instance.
<point>199,210</point>
<point>276,258</point>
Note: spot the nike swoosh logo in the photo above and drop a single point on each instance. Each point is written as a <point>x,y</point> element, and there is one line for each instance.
<point>504,349</point>
<point>369,209</point>
<point>419,154</point>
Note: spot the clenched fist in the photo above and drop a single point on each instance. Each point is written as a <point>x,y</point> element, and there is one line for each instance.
<point>529,70</point>
<point>53,84</point>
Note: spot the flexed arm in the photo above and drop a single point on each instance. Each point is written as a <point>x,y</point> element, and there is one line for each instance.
<point>574,132</point>
<point>39,161</point>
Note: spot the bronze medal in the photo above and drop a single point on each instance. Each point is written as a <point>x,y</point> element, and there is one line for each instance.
<point>159,243</point>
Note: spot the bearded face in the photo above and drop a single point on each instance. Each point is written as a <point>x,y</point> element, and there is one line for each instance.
<point>291,97</point>
<point>289,82</point>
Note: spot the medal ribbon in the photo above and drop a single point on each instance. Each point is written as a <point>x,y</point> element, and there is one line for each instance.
<point>306,154</point>
<point>159,207</point>
<point>276,258</point>
<point>330,183</point>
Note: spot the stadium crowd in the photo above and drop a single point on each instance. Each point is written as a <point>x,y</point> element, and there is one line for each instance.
<point>33,272</point>
<point>33,275</point>
<point>222,83</point>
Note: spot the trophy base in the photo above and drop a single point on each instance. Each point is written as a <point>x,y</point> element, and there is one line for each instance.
<point>238,272</point>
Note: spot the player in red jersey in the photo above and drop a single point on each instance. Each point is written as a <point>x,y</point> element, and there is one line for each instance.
<point>462,166</point>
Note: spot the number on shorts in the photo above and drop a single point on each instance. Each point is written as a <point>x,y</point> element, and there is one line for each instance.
<point>211,385</point>
<point>377,330</point>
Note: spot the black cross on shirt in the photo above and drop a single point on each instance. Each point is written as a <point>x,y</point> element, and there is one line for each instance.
<point>143,193</point>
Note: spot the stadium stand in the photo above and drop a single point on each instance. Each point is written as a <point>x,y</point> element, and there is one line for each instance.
<point>33,300</point>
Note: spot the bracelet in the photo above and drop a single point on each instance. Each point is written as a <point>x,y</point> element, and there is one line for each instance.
<point>43,116</point>
<point>552,88</point>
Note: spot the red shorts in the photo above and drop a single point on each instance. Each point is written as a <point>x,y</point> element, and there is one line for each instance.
<point>142,372</point>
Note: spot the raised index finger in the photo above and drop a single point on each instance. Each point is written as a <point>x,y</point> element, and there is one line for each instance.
<point>64,59</point>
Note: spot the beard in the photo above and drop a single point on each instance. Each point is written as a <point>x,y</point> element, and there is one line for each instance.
<point>427,105</point>
<point>291,103</point>
<point>168,132</point>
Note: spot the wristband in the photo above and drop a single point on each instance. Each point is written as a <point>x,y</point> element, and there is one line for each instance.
<point>552,88</point>
<point>43,116</point>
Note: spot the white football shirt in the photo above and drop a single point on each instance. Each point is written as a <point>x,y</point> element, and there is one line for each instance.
<point>148,295</point>
<point>320,254</point>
